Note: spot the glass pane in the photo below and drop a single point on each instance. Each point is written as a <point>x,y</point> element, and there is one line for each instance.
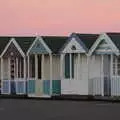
<point>33,65</point>
<point>118,59</point>
<point>73,56</point>
<point>113,71</point>
<point>67,66</point>
<point>118,72</point>
<point>39,66</point>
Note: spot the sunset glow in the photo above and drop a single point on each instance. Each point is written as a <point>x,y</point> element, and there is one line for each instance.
<point>58,17</point>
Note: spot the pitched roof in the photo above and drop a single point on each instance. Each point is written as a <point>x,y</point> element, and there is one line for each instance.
<point>55,43</point>
<point>24,42</point>
<point>115,37</point>
<point>3,42</point>
<point>87,39</point>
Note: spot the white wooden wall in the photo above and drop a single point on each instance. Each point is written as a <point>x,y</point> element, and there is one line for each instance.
<point>78,85</point>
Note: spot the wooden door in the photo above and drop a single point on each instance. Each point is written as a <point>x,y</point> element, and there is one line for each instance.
<point>106,71</point>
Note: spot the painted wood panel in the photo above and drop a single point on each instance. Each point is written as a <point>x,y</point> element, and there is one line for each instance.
<point>56,87</point>
<point>104,48</point>
<point>46,87</point>
<point>31,87</point>
<point>76,87</point>
<point>38,48</point>
<point>39,87</point>
<point>12,49</point>
<point>56,67</point>
<point>20,89</point>
<point>5,87</point>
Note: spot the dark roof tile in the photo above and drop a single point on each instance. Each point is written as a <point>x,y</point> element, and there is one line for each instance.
<point>55,43</point>
<point>115,37</point>
<point>88,39</point>
<point>24,42</point>
<point>3,42</point>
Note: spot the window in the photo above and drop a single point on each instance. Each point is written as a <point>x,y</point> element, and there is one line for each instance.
<point>116,66</point>
<point>39,66</point>
<point>20,68</point>
<point>73,47</point>
<point>67,65</point>
<point>32,63</point>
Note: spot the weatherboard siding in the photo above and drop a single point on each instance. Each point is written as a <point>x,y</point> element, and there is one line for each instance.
<point>5,69</point>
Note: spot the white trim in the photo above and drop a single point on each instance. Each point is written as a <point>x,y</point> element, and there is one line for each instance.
<point>16,45</point>
<point>42,42</point>
<point>108,40</point>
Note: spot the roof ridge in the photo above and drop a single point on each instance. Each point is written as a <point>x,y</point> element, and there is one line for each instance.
<point>54,36</point>
<point>113,32</point>
<point>87,33</point>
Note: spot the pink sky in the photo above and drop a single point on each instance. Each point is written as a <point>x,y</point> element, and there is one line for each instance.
<point>58,17</point>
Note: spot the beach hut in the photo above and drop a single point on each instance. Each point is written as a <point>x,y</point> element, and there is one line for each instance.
<point>74,64</point>
<point>104,72</point>
<point>13,65</point>
<point>44,66</point>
